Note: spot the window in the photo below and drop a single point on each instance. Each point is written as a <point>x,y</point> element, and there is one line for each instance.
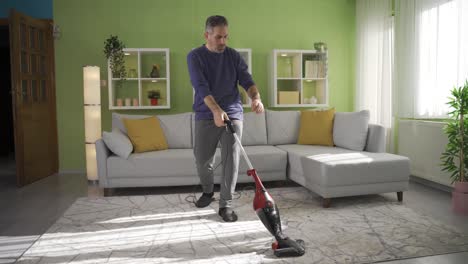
<point>433,50</point>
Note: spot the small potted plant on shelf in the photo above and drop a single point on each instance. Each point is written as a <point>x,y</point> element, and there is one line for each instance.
<point>113,49</point>
<point>455,157</point>
<point>154,95</point>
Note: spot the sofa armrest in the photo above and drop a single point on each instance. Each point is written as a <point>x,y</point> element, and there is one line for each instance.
<point>375,138</point>
<point>102,153</point>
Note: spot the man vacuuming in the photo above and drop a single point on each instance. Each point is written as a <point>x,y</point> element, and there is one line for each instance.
<point>215,71</point>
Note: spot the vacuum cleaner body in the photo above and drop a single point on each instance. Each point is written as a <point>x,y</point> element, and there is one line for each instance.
<point>267,211</point>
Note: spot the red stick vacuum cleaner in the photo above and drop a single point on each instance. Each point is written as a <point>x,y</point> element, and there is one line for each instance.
<point>268,212</point>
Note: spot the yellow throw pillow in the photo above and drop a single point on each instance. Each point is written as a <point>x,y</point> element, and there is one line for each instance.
<point>145,134</point>
<point>316,128</point>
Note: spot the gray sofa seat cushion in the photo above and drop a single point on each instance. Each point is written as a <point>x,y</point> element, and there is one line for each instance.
<point>177,128</point>
<point>164,163</point>
<point>296,152</point>
<point>332,166</point>
<point>263,158</point>
<point>282,127</point>
<point>254,129</point>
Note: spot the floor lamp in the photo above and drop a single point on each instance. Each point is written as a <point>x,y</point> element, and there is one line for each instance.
<point>92,117</point>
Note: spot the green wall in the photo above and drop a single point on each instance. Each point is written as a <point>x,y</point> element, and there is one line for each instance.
<point>262,25</point>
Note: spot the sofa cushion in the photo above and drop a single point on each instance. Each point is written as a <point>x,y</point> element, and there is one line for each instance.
<point>350,129</point>
<point>145,134</point>
<point>164,163</point>
<point>254,129</point>
<point>177,127</point>
<point>332,166</point>
<point>118,143</point>
<point>263,158</point>
<point>282,127</point>
<point>316,127</point>
<point>117,122</point>
<point>178,130</point>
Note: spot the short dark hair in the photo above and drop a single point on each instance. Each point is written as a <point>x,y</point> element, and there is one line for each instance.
<point>214,21</point>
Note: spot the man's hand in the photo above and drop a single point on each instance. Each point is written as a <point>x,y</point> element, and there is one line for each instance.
<point>257,106</point>
<point>219,117</point>
<point>218,113</point>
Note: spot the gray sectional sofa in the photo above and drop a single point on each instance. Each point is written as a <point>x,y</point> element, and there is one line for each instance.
<point>270,142</point>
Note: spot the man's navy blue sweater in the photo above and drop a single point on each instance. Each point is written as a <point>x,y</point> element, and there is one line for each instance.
<point>218,74</point>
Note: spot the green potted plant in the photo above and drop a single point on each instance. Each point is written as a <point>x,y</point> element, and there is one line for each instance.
<point>455,157</point>
<point>154,95</point>
<point>113,49</point>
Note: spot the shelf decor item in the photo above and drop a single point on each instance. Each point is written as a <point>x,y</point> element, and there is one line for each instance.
<point>154,95</point>
<point>155,71</point>
<point>113,49</point>
<point>92,117</point>
<point>320,46</point>
<point>455,157</point>
<point>132,73</point>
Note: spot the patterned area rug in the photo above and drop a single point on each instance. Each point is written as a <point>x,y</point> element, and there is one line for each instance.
<point>168,229</point>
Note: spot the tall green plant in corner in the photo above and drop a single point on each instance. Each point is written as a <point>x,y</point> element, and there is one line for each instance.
<point>113,49</point>
<point>455,157</point>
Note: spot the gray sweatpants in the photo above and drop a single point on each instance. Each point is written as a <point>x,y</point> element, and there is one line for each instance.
<point>207,136</point>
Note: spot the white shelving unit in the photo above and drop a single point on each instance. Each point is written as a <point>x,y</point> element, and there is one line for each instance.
<point>299,78</point>
<point>132,92</point>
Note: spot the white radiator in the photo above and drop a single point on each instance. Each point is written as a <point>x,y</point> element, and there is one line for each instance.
<point>423,143</point>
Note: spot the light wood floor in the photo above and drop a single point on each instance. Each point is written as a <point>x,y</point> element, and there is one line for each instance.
<point>26,213</point>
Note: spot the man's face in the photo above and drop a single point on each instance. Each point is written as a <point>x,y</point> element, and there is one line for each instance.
<point>216,40</point>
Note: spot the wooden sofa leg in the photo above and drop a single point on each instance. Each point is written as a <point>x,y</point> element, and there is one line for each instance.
<point>108,192</point>
<point>400,196</point>
<point>326,202</point>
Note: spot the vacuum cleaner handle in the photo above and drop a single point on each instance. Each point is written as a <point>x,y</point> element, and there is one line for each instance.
<point>231,129</point>
<point>229,125</point>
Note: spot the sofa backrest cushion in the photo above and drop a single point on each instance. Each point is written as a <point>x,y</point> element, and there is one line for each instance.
<point>254,129</point>
<point>118,143</point>
<point>316,127</point>
<point>282,127</point>
<point>145,134</point>
<point>177,128</point>
<point>350,129</point>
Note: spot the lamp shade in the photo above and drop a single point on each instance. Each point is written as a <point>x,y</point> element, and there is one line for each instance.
<point>92,117</point>
<point>91,85</point>
<point>91,162</point>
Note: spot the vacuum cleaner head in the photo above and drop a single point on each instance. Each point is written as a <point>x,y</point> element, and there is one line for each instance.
<point>288,247</point>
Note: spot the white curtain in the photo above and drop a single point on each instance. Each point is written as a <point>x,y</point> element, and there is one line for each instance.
<point>431,55</point>
<point>374,56</point>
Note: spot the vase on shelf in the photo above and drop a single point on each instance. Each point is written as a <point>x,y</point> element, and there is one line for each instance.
<point>154,101</point>
<point>155,71</point>
<point>132,73</point>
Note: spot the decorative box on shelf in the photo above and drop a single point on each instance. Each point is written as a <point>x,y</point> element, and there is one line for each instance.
<point>288,97</point>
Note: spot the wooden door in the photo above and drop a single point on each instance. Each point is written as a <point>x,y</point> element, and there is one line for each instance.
<point>33,95</point>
